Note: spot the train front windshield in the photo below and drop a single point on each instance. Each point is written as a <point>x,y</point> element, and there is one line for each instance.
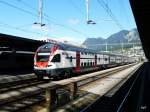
<point>44,53</point>
<point>46,48</point>
<point>43,58</point>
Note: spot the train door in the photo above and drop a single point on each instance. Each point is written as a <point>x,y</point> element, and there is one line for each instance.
<point>77,61</point>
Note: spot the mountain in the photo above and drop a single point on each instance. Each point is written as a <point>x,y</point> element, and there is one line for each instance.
<point>133,35</point>
<point>90,42</point>
<point>123,36</point>
<point>118,37</point>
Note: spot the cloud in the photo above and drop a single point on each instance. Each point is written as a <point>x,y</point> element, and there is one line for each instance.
<point>73,21</point>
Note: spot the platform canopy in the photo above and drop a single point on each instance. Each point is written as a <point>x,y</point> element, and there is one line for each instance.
<point>18,43</point>
<point>141,11</point>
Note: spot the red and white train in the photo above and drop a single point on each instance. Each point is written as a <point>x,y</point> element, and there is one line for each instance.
<point>63,60</point>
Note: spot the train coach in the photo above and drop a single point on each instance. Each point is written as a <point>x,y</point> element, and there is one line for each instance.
<point>63,60</point>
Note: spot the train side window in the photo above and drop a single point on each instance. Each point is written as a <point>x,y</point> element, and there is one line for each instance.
<point>70,58</point>
<point>84,63</point>
<point>105,59</point>
<point>90,63</point>
<point>93,63</point>
<point>99,59</point>
<point>56,58</point>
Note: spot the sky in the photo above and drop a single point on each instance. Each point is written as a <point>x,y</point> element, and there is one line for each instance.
<point>65,19</point>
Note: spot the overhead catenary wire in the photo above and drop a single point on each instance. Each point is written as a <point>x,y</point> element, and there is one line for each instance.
<point>52,20</point>
<point>76,7</point>
<point>122,5</point>
<point>4,25</point>
<point>34,9</point>
<point>16,28</point>
<point>109,12</point>
<point>45,17</point>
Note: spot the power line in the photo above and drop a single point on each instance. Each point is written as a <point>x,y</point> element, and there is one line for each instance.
<point>46,17</point>
<point>109,12</point>
<point>76,7</point>
<point>125,11</point>
<point>4,25</point>
<point>50,19</point>
<point>13,6</point>
<point>25,25</point>
<point>19,29</point>
<point>33,8</point>
<point>115,44</point>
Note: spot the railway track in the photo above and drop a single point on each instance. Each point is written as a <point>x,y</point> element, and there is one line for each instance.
<point>20,96</point>
<point>9,81</point>
<point>102,95</point>
<point>19,86</point>
<point>112,99</point>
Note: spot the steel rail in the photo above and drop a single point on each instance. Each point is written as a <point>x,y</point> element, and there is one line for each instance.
<point>99,97</point>
<point>127,94</point>
<point>53,85</point>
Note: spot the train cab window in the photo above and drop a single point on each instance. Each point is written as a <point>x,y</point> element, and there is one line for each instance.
<point>56,58</point>
<point>42,58</point>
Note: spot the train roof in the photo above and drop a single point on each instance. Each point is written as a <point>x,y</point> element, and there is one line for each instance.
<point>70,47</point>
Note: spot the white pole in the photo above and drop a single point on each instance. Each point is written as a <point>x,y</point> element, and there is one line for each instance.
<point>106,47</point>
<point>40,11</point>
<point>133,50</point>
<point>87,9</point>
